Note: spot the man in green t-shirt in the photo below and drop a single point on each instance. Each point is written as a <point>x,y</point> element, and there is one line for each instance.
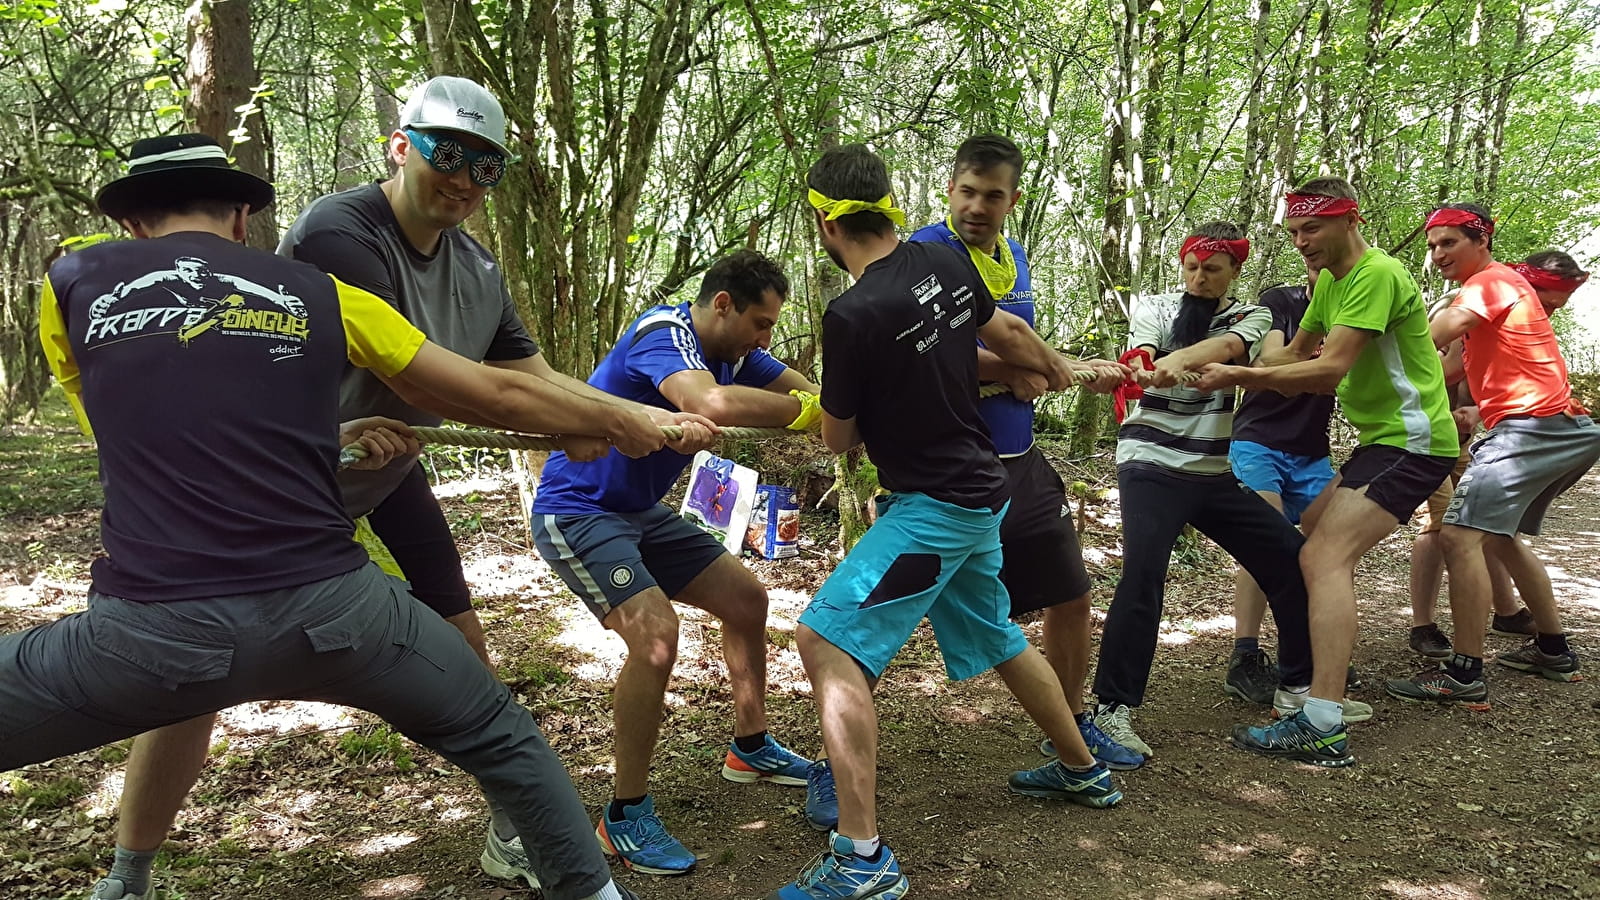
<point>1367,315</point>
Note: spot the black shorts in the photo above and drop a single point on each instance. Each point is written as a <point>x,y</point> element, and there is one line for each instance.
<point>1043,560</point>
<point>411,524</point>
<point>1395,479</point>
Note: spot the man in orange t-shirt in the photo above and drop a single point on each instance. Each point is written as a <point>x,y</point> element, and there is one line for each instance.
<point>1535,449</point>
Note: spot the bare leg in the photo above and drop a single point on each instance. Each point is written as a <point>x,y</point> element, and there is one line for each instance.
<point>162,768</point>
<point>648,624</point>
<point>1066,647</point>
<point>1348,526</point>
<point>1427,574</point>
<point>1469,584</point>
<point>1533,582</point>
<point>849,730</point>
<point>728,590</point>
<point>1038,689</point>
<point>1502,595</point>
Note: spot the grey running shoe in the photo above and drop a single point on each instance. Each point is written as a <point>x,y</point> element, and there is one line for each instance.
<point>1439,686</point>
<point>1286,703</point>
<point>1294,737</point>
<point>1252,677</point>
<point>115,889</point>
<point>507,859</point>
<point>1117,723</point>
<point>1429,641</point>
<point>1554,666</point>
<point>1518,624</point>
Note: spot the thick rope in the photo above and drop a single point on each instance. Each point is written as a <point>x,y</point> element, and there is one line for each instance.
<point>507,440</point>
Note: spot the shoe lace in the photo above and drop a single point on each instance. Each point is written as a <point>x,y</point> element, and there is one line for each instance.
<point>652,832</point>
<point>823,785</point>
<point>1119,724</point>
<point>816,870</point>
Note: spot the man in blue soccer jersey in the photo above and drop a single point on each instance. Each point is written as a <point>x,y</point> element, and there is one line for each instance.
<point>603,528</point>
<point>1043,566</point>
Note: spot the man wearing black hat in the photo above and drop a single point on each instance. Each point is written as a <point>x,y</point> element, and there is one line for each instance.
<point>399,239</point>
<point>230,575</point>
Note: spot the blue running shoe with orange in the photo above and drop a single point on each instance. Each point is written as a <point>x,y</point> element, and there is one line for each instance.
<point>822,798</point>
<point>839,874</point>
<point>1054,781</point>
<point>773,762</point>
<point>643,842</point>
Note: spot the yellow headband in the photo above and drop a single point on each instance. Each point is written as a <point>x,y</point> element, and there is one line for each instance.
<point>837,208</point>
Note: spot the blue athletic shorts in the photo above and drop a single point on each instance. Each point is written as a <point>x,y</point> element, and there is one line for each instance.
<point>923,557</point>
<point>605,558</point>
<point>1297,479</point>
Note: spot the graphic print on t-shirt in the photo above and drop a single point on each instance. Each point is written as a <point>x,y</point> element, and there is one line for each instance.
<point>190,301</point>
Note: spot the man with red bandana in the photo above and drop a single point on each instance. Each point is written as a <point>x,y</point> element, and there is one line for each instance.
<point>1366,312</point>
<point>1536,448</point>
<point>1173,469</point>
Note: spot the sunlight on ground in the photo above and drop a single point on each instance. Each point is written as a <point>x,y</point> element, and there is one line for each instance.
<point>107,794</point>
<point>482,484</point>
<point>398,886</point>
<point>1262,795</point>
<point>1411,890</point>
<point>46,598</point>
<point>380,843</point>
<point>757,825</point>
<point>275,717</point>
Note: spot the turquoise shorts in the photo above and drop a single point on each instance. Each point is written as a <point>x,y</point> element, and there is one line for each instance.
<point>922,558</point>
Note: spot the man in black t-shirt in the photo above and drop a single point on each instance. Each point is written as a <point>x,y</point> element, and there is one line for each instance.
<point>1280,451</point>
<point>900,374</point>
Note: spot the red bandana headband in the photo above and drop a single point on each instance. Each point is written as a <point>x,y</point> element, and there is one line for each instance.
<point>1459,218</point>
<point>1549,281</point>
<point>1203,247</point>
<point>1300,205</point>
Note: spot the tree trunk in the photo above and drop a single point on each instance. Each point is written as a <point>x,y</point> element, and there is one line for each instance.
<point>221,78</point>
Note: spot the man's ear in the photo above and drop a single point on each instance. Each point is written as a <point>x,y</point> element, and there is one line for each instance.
<point>722,302</point>
<point>241,222</point>
<point>399,148</point>
<point>132,227</point>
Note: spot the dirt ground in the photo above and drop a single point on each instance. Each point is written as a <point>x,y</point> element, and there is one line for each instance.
<point>307,801</point>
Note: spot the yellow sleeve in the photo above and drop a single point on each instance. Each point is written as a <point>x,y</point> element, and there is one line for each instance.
<point>376,336</point>
<point>58,351</point>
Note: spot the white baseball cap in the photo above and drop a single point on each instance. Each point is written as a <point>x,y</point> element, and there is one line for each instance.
<point>448,103</point>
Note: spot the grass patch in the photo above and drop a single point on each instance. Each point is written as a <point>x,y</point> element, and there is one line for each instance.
<point>371,745</point>
<point>48,467</point>
<point>47,795</point>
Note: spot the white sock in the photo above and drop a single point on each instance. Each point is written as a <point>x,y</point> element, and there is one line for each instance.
<point>1324,714</point>
<point>609,892</point>
<point>867,847</point>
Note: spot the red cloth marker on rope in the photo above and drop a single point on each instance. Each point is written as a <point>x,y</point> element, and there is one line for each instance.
<point>1129,389</point>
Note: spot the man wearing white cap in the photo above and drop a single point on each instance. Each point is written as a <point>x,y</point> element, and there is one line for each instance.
<point>401,240</point>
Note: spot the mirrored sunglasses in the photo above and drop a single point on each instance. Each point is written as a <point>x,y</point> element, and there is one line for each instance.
<point>445,154</point>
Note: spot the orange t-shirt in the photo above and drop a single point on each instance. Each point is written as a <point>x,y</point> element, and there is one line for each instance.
<point>1514,367</point>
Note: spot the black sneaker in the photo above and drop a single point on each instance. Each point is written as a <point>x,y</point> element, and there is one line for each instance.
<point>1518,624</point>
<point>1252,677</point>
<point>1439,686</point>
<point>1351,679</point>
<point>1429,641</point>
<point>1554,666</point>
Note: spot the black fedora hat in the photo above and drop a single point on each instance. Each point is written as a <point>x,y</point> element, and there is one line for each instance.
<point>180,166</point>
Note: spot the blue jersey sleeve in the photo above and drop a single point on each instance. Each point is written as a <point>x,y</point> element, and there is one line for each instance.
<point>662,352</point>
<point>759,370</point>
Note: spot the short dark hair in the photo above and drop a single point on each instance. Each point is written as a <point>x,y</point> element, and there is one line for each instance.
<point>981,153</point>
<point>852,172</point>
<point>1222,231</point>
<point>1472,231</point>
<point>1328,187</point>
<point>746,275</point>
<point>1557,263</point>
<point>153,214</point>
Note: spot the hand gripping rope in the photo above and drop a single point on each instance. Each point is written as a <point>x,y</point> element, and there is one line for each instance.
<point>509,440</point>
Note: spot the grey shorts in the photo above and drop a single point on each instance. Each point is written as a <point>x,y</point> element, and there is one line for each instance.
<point>1518,468</point>
<point>605,558</point>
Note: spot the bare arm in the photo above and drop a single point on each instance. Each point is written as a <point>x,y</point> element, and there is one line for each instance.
<point>1014,341</point>
<point>791,380</point>
<point>840,435</point>
<point>695,391</point>
<point>1302,348</point>
<point>1320,375</point>
<point>1452,323</point>
<point>1454,361</point>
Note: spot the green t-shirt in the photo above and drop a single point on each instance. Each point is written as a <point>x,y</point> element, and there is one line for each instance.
<point>1394,394</point>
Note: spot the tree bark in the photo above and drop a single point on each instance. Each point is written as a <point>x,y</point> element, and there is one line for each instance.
<point>221,77</point>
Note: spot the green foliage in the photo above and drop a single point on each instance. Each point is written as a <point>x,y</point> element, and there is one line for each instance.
<point>368,745</point>
<point>53,794</point>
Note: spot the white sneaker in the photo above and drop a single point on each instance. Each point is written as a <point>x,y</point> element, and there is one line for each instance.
<point>1286,702</point>
<point>1117,723</point>
<point>507,859</point>
<point>114,889</point>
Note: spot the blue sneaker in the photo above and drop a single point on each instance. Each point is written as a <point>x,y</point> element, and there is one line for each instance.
<point>839,874</point>
<point>1294,737</point>
<point>1054,781</point>
<point>773,762</point>
<point>1106,751</point>
<point>643,842</point>
<point>822,800</point>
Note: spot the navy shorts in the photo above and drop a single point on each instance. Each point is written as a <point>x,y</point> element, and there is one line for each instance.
<point>605,558</point>
<point>1043,560</point>
<point>1395,479</point>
